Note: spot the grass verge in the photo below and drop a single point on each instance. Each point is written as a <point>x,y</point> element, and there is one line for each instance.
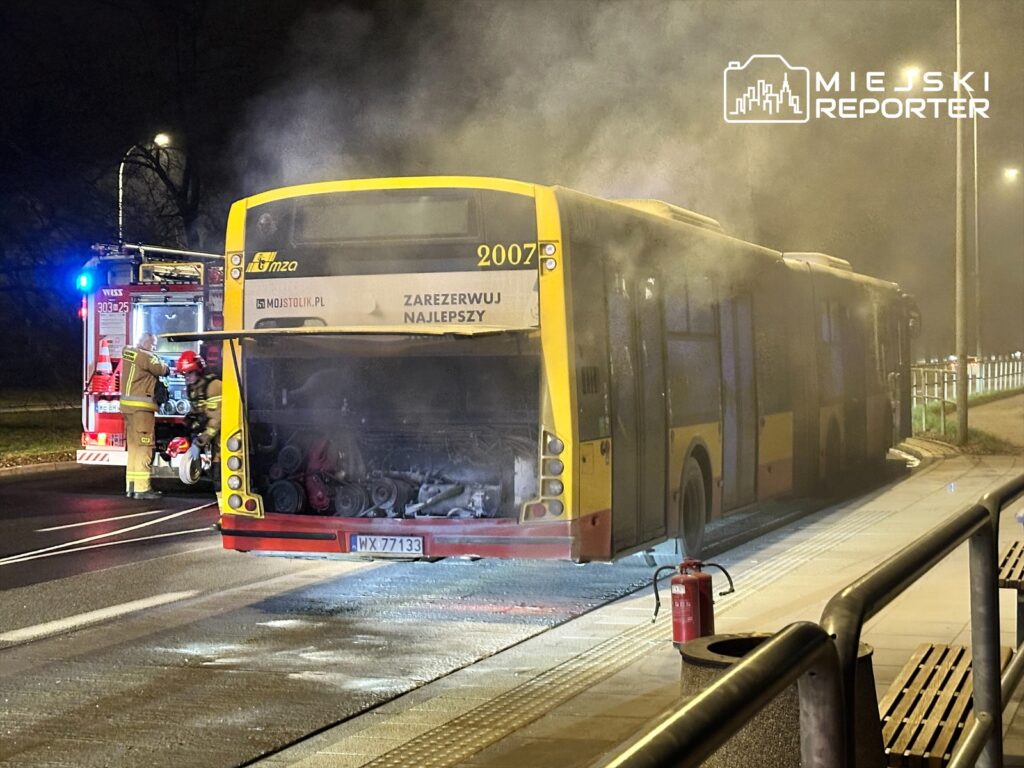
<point>979,443</point>
<point>14,398</point>
<point>39,437</point>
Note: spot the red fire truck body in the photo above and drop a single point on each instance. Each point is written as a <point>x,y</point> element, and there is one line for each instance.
<point>128,291</point>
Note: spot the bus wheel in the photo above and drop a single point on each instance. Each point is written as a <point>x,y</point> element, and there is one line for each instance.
<point>692,510</point>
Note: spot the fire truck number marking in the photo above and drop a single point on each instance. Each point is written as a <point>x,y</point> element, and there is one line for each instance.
<point>114,307</point>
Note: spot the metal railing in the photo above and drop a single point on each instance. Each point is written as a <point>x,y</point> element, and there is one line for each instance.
<point>709,719</point>
<point>936,382</point>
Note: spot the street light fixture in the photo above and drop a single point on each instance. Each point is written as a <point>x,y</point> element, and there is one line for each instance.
<point>910,74</point>
<point>160,140</point>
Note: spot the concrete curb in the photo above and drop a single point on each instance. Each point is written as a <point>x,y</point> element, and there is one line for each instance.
<point>33,469</point>
<point>927,450</point>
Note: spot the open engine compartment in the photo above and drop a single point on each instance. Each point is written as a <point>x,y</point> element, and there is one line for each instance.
<point>395,427</point>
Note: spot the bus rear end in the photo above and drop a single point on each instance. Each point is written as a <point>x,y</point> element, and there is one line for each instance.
<point>398,393</point>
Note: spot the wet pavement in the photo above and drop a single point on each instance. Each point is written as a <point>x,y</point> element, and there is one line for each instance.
<point>573,696</point>
<point>222,676</point>
<point>76,520</point>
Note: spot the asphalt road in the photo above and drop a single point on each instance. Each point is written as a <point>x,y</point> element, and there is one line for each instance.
<point>58,524</point>
<point>152,646</point>
<point>157,648</point>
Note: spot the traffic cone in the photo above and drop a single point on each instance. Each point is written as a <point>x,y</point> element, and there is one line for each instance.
<point>103,361</point>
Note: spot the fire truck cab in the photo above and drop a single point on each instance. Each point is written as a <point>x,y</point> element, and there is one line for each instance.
<point>127,291</point>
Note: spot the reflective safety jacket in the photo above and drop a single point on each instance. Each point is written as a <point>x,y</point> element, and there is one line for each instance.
<point>205,396</point>
<point>139,371</point>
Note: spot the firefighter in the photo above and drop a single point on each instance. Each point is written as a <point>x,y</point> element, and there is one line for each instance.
<point>204,394</point>
<point>140,371</point>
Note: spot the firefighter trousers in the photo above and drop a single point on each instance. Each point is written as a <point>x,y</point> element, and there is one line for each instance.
<point>139,437</point>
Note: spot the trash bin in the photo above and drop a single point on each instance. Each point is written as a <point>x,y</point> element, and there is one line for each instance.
<point>772,737</point>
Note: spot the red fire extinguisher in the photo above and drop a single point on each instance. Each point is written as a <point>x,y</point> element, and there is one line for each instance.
<point>693,612</point>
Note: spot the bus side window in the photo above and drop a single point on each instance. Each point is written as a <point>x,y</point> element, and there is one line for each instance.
<point>702,302</point>
<point>675,306</point>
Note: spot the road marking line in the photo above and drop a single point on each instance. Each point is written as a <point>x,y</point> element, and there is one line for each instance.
<point>91,617</point>
<point>101,520</point>
<point>108,534</point>
<point>41,555</point>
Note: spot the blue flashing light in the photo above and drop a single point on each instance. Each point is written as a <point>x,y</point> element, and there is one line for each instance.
<point>84,281</point>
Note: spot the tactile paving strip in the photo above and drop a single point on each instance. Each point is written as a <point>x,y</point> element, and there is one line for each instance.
<point>467,734</point>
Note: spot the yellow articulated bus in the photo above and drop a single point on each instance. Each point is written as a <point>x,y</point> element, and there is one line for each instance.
<point>441,366</point>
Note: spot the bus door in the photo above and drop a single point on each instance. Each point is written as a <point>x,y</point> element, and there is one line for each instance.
<point>739,404</point>
<point>855,406</point>
<point>638,411</point>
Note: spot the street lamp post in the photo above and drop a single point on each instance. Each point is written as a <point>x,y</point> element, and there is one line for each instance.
<point>160,140</point>
<point>960,272</point>
<point>977,251</point>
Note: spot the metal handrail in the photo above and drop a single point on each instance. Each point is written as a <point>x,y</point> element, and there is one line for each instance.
<point>846,612</point>
<point>802,653</point>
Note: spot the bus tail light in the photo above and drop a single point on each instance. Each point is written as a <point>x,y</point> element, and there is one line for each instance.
<point>553,487</point>
<point>539,509</point>
<point>536,509</point>
<point>553,467</point>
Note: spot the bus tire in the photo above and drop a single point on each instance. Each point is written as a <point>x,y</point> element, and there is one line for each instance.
<point>693,505</point>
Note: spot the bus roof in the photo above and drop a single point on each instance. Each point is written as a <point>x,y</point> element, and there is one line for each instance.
<point>400,182</point>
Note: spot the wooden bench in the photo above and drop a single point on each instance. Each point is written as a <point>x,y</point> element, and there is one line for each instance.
<point>1011,576</point>
<point>928,706</point>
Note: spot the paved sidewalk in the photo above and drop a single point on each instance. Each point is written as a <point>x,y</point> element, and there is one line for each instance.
<point>573,694</point>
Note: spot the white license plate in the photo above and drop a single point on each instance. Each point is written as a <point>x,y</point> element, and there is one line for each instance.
<point>386,545</point>
<point>108,406</point>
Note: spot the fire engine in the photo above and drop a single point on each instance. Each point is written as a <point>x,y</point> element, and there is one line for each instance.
<point>127,291</point>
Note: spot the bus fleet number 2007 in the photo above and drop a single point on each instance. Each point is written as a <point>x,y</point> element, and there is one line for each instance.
<point>502,255</point>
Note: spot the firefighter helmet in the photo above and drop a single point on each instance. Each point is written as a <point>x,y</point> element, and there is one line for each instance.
<point>189,362</point>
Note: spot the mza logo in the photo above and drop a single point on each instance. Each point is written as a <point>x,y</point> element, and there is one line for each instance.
<point>766,89</point>
<point>266,261</point>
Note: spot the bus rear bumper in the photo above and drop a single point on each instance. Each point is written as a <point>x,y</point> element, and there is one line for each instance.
<point>582,539</point>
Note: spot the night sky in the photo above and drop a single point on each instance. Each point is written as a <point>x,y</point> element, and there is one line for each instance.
<point>617,99</point>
